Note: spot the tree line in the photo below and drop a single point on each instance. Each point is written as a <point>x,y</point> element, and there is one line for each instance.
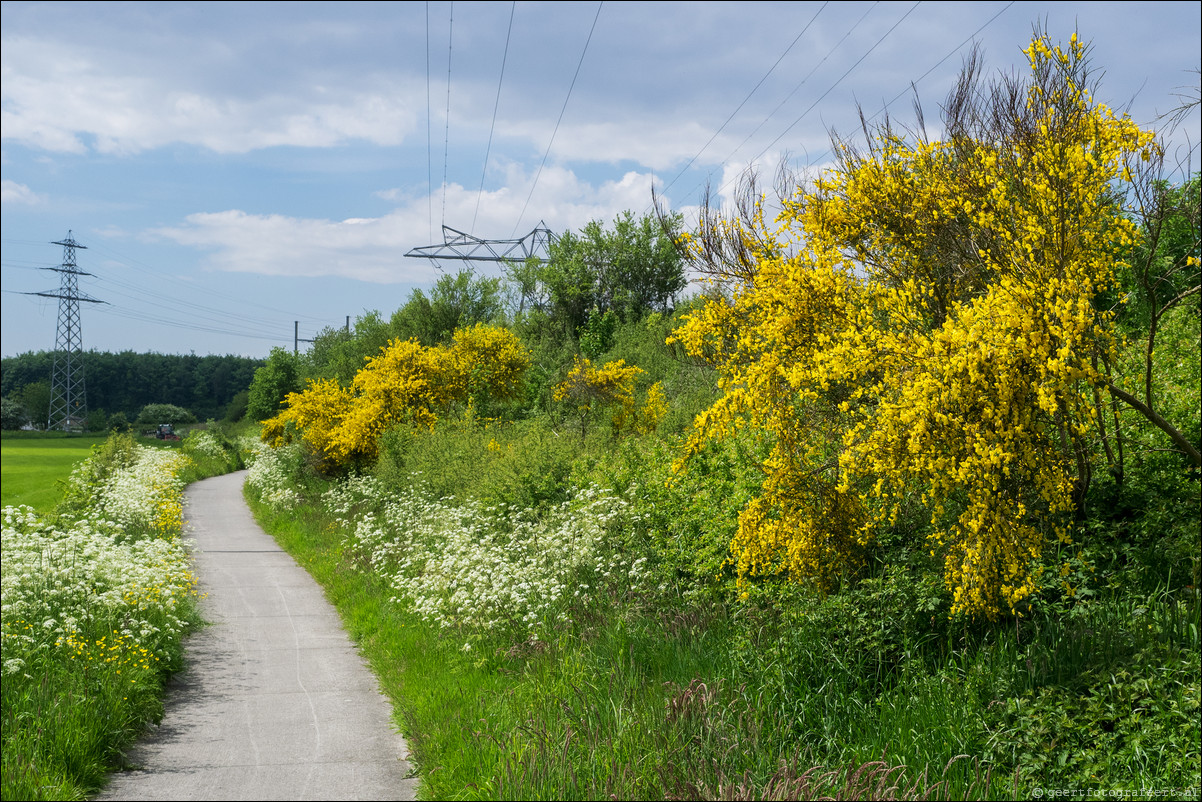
<point>125,382</point>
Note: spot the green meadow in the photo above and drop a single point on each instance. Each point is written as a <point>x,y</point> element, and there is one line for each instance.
<point>33,464</point>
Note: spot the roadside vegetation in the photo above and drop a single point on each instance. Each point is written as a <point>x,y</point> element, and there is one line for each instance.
<point>905,505</point>
<point>98,594</point>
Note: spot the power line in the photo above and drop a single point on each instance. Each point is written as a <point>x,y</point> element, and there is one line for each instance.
<point>841,77</point>
<point>214,317</point>
<point>558,121</point>
<point>115,311</point>
<point>771,69</point>
<point>180,310</point>
<point>802,82</point>
<point>447,129</point>
<point>159,275</point>
<point>936,65</point>
<point>830,89</point>
<point>429,145</point>
<point>496,105</point>
<point>897,97</point>
<point>784,100</point>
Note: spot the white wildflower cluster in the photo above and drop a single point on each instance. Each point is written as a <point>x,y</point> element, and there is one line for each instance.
<point>461,564</point>
<point>64,582</point>
<point>143,494</point>
<point>269,473</point>
<point>148,495</point>
<point>203,443</point>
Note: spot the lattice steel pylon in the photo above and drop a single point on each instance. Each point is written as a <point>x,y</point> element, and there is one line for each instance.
<point>459,246</point>
<point>68,395</point>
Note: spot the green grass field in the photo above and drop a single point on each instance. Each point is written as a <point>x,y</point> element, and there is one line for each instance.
<point>33,463</point>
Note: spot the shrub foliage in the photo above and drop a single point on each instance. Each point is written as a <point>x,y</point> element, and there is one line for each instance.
<point>929,318</point>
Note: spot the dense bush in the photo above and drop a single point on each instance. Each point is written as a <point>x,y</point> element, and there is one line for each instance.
<point>164,413</point>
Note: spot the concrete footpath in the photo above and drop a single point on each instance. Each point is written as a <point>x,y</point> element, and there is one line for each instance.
<point>274,701</point>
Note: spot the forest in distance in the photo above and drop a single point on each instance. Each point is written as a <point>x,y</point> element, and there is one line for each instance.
<point>207,386</point>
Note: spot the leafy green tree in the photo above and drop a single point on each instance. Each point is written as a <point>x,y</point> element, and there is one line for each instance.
<point>1162,271</point>
<point>35,397</point>
<point>24,369</point>
<point>1159,278</point>
<point>272,384</point>
<point>456,302</point>
<point>97,421</point>
<point>597,335</point>
<point>631,269</point>
<point>340,354</point>
<point>12,414</point>
<point>236,409</point>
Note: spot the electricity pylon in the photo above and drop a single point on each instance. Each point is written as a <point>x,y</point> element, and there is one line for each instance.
<point>459,246</point>
<point>68,395</point>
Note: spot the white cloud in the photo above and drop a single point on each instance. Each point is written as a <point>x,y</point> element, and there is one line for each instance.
<point>275,245</point>
<point>12,192</point>
<point>58,100</point>
<point>651,140</point>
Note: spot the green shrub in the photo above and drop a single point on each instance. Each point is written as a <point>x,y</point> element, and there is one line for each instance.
<point>522,463</point>
<point>164,413</point>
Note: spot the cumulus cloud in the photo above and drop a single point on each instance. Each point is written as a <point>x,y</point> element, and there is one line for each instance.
<point>59,99</point>
<point>12,192</point>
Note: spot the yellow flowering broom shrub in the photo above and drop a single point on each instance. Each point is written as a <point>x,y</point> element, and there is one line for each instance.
<point>407,383</point>
<point>588,388</point>
<point>923,321</point>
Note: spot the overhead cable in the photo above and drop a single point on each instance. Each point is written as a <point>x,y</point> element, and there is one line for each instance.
<point>429,146</point>
<point>558,121</point>
<point>830,89</point>
<point>496,105</point>
<point>446,146</point>
<point>771,69</point>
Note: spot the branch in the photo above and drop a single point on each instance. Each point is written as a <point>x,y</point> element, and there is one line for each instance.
<point>1177,437</point>
<point>1181,296</point>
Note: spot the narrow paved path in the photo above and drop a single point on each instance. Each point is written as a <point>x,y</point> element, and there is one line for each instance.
<point>274,702</point>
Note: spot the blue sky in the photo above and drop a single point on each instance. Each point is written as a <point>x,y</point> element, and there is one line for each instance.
<point>235,167</point>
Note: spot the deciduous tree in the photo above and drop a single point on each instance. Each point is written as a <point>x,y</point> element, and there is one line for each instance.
<point>631,269</point>
<point>272,384</point>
